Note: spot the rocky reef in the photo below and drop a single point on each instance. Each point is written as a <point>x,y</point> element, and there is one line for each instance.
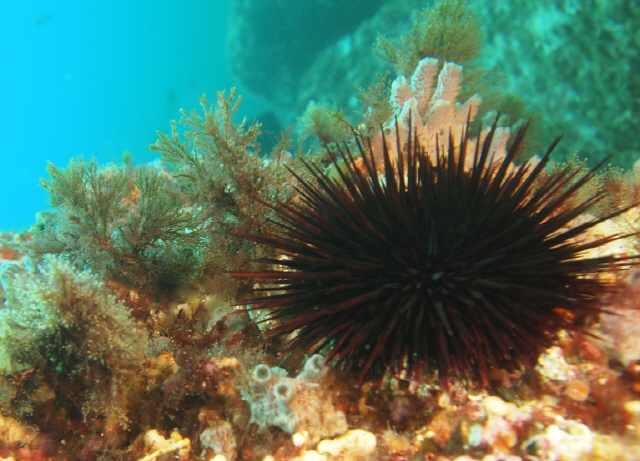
<point>124,332</point>
<point>572,66</point>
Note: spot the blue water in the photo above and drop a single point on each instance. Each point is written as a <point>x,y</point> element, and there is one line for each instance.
<point>98,79</point>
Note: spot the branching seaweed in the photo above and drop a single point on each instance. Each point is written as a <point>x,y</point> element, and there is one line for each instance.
<point>131,227</point>
<point>447,30</point>
<point>324,122</point>
<point>218,171</point>
<point>154,229</point>
<point>375,98</point>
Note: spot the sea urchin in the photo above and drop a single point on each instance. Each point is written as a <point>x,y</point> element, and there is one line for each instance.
<point>431,263</point>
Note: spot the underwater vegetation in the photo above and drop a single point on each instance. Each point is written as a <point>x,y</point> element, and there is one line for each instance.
<point>129,224</point>
<point>447,30</point>
<point>408,289</point>
<point>155,230</point>
<point>67,327</point>
<point>323,122</point>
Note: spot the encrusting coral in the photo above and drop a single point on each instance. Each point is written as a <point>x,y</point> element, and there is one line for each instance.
<point>157,445</point>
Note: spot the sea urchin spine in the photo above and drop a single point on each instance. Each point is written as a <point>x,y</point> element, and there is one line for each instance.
<point>430,263</point>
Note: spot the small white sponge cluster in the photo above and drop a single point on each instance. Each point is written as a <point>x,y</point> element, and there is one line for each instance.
<point>294,404</point>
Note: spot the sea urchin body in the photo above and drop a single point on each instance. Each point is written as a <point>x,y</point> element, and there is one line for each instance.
<point>430,263</point>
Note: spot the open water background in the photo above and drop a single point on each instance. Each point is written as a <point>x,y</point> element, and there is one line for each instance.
<point>97,79</point>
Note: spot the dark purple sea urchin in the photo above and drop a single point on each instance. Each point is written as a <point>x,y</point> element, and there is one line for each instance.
<point>462,270</point>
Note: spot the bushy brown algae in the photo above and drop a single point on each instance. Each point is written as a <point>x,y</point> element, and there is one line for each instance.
<point>375,99</point>
<point>219,172</point>
<point>324,122</point>
<point>447,30</point>
<point>128,226</point>
<point>156,230</point>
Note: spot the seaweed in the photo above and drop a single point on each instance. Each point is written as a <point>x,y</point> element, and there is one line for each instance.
<point>448,31</point>
<point>157,229</point>
<point>71,346</point>
<point>375,99</point>
<point>324,122</point>
<point>130,226</point>
<point>219,172</point>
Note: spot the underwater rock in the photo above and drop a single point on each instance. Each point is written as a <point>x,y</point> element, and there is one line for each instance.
<point>272,43</point>
<point>354,445</point>
<point>574,62</point>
